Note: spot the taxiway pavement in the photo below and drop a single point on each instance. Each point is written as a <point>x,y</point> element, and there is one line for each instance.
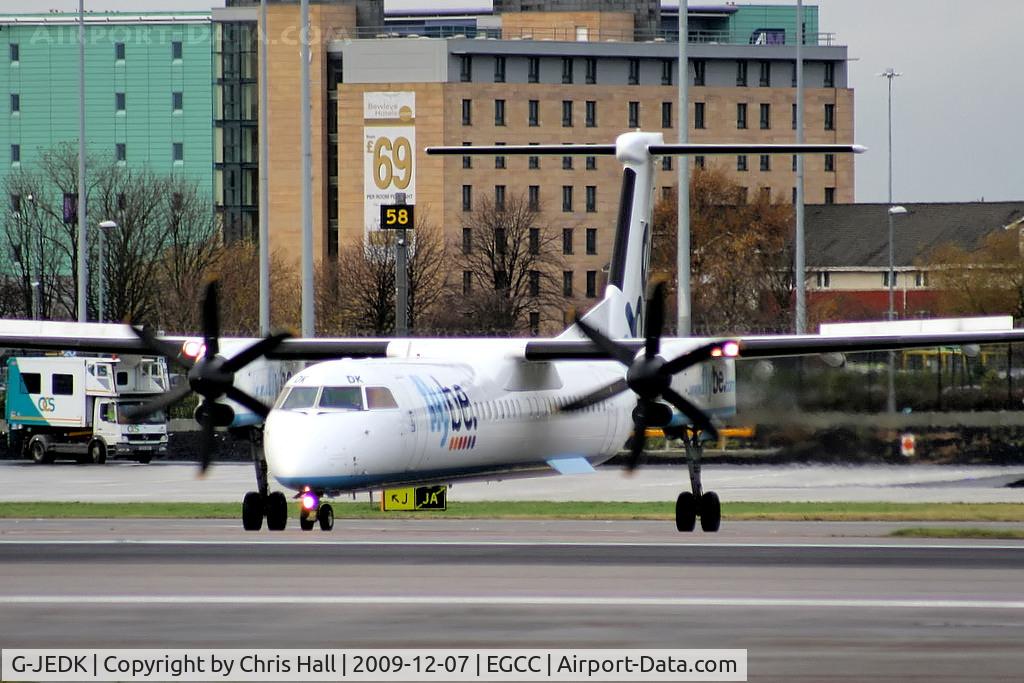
<point>814,602</point>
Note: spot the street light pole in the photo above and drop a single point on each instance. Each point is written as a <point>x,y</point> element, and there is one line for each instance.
<point>893,211</point>
<point>102,269</point>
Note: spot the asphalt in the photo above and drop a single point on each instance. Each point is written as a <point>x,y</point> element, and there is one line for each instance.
<point>809,601</point>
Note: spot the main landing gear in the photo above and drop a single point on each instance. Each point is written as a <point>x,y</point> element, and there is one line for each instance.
<point>262,503</point>
<point>698,504</point>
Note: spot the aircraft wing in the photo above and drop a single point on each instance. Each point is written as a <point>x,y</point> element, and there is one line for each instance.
<point>783,345</point>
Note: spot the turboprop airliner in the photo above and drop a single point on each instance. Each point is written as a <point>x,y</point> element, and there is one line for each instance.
<point>376,413</point>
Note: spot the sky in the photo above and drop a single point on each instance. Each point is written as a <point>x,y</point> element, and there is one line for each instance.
<point>957,108</point>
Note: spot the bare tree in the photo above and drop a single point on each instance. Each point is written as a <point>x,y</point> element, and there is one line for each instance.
<point>238,272</point>
<point>511,267</point>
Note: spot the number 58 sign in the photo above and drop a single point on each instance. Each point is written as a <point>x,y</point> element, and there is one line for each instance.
<point>389,156</point>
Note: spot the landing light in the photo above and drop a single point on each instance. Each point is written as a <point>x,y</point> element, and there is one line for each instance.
<point>309,500</point>
<point>193,348</point>
<point>731,349</point>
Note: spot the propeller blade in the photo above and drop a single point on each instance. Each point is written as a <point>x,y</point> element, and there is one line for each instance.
<point>208,446</point>
<point>697,416</point>
<point>211,320</point>
<point>248,355</point>
<point>159,346</point>
<point>252,403</point>
<point>154,405</point>
<point>697,355</point>
<point>655,321</point>
<point>636,445</point>
<point>616,351</point>
<point>602,394</point>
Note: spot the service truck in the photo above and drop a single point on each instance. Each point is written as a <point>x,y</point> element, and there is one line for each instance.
<point>74,407</point>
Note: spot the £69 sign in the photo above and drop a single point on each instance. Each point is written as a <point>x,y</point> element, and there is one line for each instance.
<point>389,152</point>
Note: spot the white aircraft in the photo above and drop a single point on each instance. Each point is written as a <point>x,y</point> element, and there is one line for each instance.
<point>402,412</point>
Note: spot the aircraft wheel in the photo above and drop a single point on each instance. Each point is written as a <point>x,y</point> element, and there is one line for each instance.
<point>277,511</point>
<point>97,452</point>
<point>37,449</point>
<point>306,520</point>
<point>686,512</point>
<point>252,511</point>
<point>710,512</point>
<point>325,515</point>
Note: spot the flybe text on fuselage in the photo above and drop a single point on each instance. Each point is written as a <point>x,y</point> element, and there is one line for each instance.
<point>449,408</point>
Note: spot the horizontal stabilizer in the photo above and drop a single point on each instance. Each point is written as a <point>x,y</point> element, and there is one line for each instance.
<point>573,464</point>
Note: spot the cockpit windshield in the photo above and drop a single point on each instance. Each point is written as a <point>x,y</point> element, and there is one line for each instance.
<point>337,398</point>
<point>342,398</point>
<point>299,398</point>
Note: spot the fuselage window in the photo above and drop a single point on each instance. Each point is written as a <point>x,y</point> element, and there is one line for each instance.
<point>379,398</point>
<point>342,398</point>
<point>298,398</point>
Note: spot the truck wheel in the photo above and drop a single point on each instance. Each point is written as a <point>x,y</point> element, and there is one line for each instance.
<point>97,452</point>
<point>144,459</point>
<point>37,449</point>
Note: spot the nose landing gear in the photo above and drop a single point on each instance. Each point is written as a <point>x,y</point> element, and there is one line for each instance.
<point>312,512</point>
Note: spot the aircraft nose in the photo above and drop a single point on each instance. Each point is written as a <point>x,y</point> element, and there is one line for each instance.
<point>311,445</point>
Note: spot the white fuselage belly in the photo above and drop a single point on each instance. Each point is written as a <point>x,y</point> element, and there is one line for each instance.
<point>488,418</point>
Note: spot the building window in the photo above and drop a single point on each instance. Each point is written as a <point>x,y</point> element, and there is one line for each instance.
<point>533,112</point>
<point>698,115</point>
<point>501,247</point>
<point>499,197</point>
<point>885,279</point>
<point>793,124</point>
<point>634,115</point>
<point>830,162</point>
<point>830,117</point>
<point>499,112</point>
<point>766,116</point>
<point>741,73</point>
<point>567,198</point>
<point>467,240</point>
<point>534,241</point>
<point>499,160</point>
<point>920,279</point>
<point>591,284</point>
<point>499,69</point>
<point>591,241</point>
<point>591,113</point>
<point>467,160</point>
<point>15,154</point>
<point>824,279</point>
<point>534,323</point>
<point>119,101</point>
<point>533,70</point>
<point>467,282</point>
<point>666,114</point>
<point>741,115</point>
<point>830,195</point>
<point>467,197</point>
<point>534,163</point>
<point>466,68</point>
<point>793,74</point>
<point>567,283</point>
<point>766,162</point>
<point>794,163</point>
<point>119,52</point>
<point>566,69</point>
<point>830,75</point>
<point>534,283</point>
<point>566,163</point>
<point>591,70</point>
<point>591,198</point>
<point>176,49</point>
<point>591,163</point>
<point>566,113</point>
<point>120,152</point>
<point>15,203</point>
<point>634,71</point>
<point>567,241</point>
<point>177,101</point>
<point>741,162</point>
<point>15,53</point>
<point>699,161</point>
<point>794,196</point>
<point>666,163</point>
<point>533,197</point>
<point>467,112</point>
<point>666,72</point>
<point>765,80</point>
<point>699,72</point>
<point>178,151</point>
<point>15,103</point>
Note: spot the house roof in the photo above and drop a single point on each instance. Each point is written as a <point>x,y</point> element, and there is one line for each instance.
<point>857,235</point>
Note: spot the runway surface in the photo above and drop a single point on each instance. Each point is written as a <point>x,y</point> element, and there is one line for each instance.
<point>176,481</point>
<point>809,601</point>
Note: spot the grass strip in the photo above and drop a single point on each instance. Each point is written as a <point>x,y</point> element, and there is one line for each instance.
<point>958,532</point>
<point>804,511</point>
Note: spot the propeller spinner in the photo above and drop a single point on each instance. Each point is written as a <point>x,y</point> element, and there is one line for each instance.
<point>211,376</point>
<point>649,376</point>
